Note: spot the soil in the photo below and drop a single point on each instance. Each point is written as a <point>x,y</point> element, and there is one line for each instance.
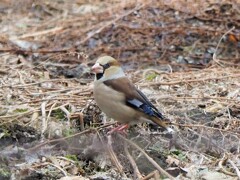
<point>183,55</point>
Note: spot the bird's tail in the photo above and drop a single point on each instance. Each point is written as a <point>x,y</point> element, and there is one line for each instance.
<point>163,123</point>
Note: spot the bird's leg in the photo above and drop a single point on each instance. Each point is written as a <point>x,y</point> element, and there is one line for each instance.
<point>123,127</point>
<point>120,129</point>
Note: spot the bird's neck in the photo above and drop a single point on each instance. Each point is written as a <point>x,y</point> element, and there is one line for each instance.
<point>108,75</point>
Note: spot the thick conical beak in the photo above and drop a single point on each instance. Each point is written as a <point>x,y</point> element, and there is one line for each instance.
<point>97,68</point>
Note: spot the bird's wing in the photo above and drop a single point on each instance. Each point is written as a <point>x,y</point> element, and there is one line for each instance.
<point>134,97</point>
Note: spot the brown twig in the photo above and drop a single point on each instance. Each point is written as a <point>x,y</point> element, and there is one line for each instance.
<point>21,51</point>
<point>110,23</point>
<point>71,136</point>
<point>132,162</point>
<point>235,168</point>
<point>39,33</point>
<point>36,83</point>
<point>161,170</point>
<point>189,81</point>
<point>215,53</point>
<point>202,126</point>
<point>113,156</point>
<point>220,165</point>
<point>58,167</point>
<point>154,174</point>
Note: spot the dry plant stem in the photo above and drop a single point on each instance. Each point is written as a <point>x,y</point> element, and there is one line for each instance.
<point>81,121</point>
<point>44,99</point>
<point>20,51</point>
<point>53,92</point>
<point>53,30</point>
<point>62,170</point>
<point>206,138</point>
<point>113,156</point>
<point>66,159</point>
<point>207,97</point>
<point>215,53</point>
<point>154,174</point>
<point>188,81</point>
<point>36,83</point>
<point>71,136</point>
<point>220,165</point>
<point>15,117</point>
<point>235,168</point>
<point>110,23</point>
<point>44,120</point>
<point>49,114</point>
<point>132,162</point>
<point>66,112</point>
<point>161,170</point>
<point>207,127</point>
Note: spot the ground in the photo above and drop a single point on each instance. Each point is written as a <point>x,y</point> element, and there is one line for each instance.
<point>184,56</point>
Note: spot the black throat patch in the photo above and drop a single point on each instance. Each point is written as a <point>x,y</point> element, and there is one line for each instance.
<point>100,75</point>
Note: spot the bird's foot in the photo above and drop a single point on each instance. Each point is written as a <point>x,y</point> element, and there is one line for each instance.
<point>120,129</point>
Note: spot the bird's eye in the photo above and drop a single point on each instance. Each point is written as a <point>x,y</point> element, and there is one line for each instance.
<point>105,66</point>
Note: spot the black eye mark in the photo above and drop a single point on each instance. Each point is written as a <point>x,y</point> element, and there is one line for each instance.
<point>105,66</point>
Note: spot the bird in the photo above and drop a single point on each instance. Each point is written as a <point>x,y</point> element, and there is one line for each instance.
<point>119,98</point>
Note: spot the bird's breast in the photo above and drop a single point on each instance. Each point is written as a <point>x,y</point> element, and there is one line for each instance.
<point>113,103</point>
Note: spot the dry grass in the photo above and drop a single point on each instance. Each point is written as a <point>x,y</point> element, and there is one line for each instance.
<point>166,50</point>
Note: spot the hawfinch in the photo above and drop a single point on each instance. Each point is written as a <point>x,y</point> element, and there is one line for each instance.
<point>118,98</point>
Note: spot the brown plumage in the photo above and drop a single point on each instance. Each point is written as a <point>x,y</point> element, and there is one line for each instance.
<point>118,98</point>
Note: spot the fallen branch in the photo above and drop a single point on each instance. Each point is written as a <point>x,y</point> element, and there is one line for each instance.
<point>188,81</point>
<point>154,174</point>
<point>113,156</point>
<point>110,23</point>
<point>161,170</point>
<point>235,168</point>
<point>220,165</point>
<point>71,136</point>
<point>202,126</point>
<point>215,53</point>
<point>132,162</point>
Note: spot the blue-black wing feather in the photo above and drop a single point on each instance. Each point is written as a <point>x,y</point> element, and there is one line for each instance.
<point>134,97</point>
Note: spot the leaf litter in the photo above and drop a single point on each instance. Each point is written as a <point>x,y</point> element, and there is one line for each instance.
<point>184,55</point>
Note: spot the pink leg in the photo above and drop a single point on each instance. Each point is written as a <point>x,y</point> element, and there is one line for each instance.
<point>120,129</point>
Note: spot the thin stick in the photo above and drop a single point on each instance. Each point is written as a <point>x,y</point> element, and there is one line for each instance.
<point>188,81</point>
<point>154,174</point>
<point>71,136</point>
<point>215,53</point>
<point>110,23</point>
<point>62,170</point>
<point>235,167</point>
<point>49,114</point>
<point>202,126</point>
<point>36,83</point>
<point>39,33</point>
<point>113,156</point>
<point>132,162</point>
<point>161,170</point>
<point>220,165</point>
<point>44,123</point>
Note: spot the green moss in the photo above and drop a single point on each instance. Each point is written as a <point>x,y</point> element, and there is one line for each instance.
<point>68,132</point>
<point>181,156</point>
<point>5,133</point>
<point>20,110</point>
<point>72,157</point>
<point>151,76</point>
<point>4,173</point>
<point>59,114</point>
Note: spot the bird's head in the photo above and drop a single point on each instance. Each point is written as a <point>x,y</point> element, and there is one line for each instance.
<point>106,68</point>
